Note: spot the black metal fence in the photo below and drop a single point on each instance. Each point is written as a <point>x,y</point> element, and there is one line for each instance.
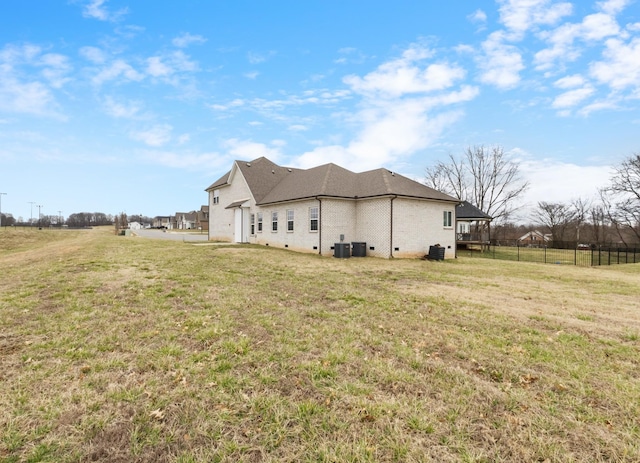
<point>582,255</point>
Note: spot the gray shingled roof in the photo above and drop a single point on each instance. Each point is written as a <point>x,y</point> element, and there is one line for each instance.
<point>270,183</point>
<point>468,211</point>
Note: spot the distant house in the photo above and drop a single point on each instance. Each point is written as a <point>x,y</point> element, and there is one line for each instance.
<point>203,218</point>
<point>135,225</point>
<point>312,210</point>
<point>162,221</point>
<point>186,220</point>
<point>534,238</point>
<point>472,225</point>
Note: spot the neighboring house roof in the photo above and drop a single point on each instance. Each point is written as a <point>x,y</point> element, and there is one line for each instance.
<point>535,233</point>
<point>193,215</point>
<point>467,211</point>
<point>270,183</point>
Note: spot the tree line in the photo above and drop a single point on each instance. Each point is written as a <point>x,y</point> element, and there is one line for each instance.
<point>75,220</point>
<point>490,179</point>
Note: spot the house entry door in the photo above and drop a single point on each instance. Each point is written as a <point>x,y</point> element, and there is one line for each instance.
<point>238,225</point>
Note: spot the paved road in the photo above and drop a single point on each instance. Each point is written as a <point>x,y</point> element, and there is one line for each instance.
<point>168,235</point>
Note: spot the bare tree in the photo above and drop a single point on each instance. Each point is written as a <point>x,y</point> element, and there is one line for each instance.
<point>598,222</point>
<point>557,218</point>
<point>486,177</point>
<point>623,198</point>
<point>581,208</point>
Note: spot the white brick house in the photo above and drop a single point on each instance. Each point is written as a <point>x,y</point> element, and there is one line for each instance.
<point>310,210</point>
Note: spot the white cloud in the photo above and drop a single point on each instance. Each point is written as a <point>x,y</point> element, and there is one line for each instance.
<point>26,97</point>
<point>56,67</point>
<point>501,63</point>
<point>251,75</point>
<point>613,7</point>
<point>599,106</point>
<point>158,135</point>
<point>573,81</point>
<point>556,181</point>
<point>598,26</point>
<point>157,68</point>
<point>518,16</point>
<point>271,107</point>
<point>186,39</point>
<point>257,58</point>
<point>247,150</point>
<point>182,62</point>
<point>129,110</point>
<point>30,96</point>
<point>93,54</point>
<point>478,16</point>
<point>404,110</point>
<point>572,97</point>
<point>404,76</point>
<point>298,128</point>
<point>593,29</point>
<point>95,9</point>
<point>621,65</point>
<point>232,104</point>
<point>170,64</point>
<point>350,55</point>
<point>115,70</point>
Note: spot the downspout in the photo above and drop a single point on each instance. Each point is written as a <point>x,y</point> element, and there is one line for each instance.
<point>319,225</point>
<point>391,229</point>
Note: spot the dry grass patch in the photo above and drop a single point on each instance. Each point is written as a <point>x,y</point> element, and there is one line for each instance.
<point>123,349</point>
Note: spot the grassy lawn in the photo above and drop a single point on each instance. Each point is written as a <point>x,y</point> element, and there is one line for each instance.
<point>121,349</point>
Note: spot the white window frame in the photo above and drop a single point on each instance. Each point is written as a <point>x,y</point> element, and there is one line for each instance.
<point>290,221</point>
<point>216,196</point>
<point>447,219</point>
<point>314,215</point>
<point>274,222</point>
<point>252,224</point>
<point>259,219</point>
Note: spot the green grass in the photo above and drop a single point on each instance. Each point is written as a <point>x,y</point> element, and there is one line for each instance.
<point>584,258</point>
<point>121,349</point>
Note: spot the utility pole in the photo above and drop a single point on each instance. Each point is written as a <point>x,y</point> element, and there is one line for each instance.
<point>31,219</point>
<point>60,218</point>
<point>39,206</point>
<point>1,208</point>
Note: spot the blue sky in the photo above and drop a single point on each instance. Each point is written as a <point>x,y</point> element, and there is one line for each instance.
<point>138,106</point>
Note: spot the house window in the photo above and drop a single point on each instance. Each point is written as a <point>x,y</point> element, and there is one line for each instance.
<point>290,220</point>
<point>216,196</point>
<point>274,221</point>
<point>252,219</point>
<point>259,222</point>
<point>446,222</point>
<point>313,219</point>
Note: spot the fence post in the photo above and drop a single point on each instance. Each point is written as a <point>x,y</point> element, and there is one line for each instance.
<point>545,254</point>
<point>518,248</point>
<point>575,256</point>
